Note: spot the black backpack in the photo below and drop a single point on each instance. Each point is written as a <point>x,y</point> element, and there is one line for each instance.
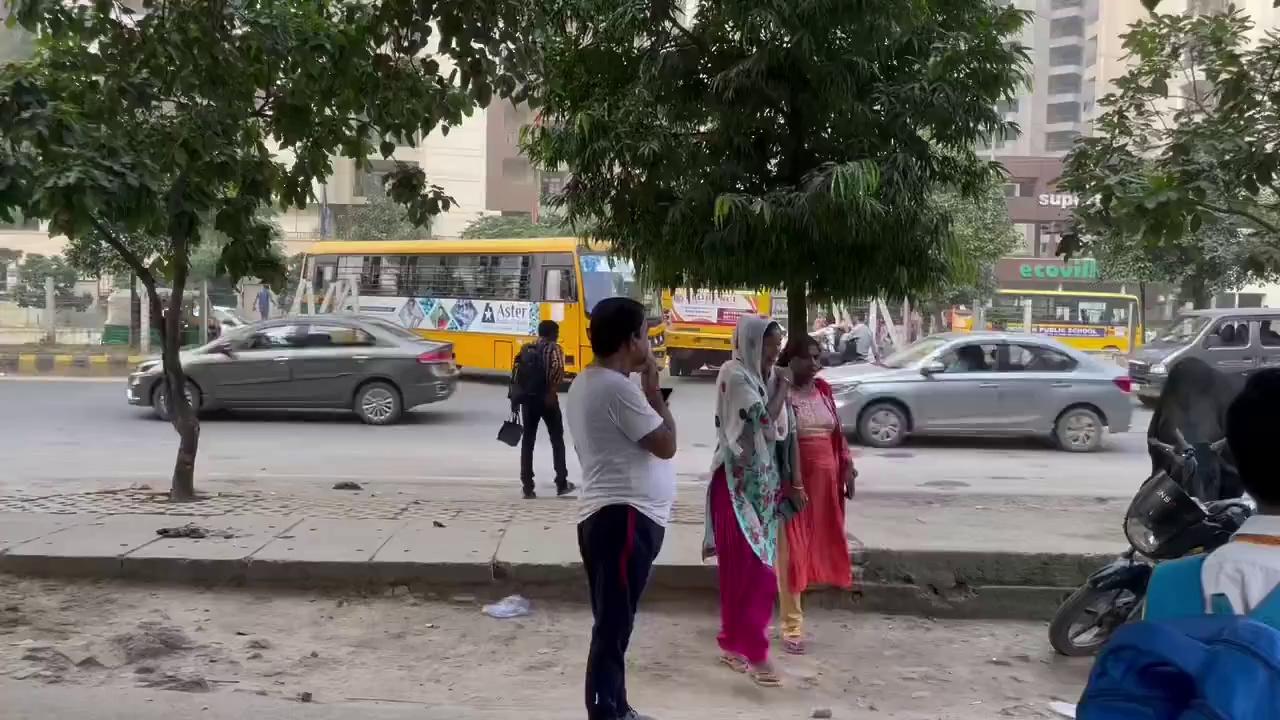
<point>529,377</point>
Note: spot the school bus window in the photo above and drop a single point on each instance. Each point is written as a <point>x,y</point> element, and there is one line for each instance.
<point>485,277</point>
<point>557,285</point>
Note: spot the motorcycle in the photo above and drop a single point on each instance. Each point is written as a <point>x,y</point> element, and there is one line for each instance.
<point>1163,522</point>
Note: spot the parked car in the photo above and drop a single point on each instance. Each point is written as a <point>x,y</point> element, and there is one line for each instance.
<point>1234,341</point>
<point>984,384</point>
<point>368,365</point>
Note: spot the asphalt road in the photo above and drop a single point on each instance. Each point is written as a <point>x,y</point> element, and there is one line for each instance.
<point>65,435</point>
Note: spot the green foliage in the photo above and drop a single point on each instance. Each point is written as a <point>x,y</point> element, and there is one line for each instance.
<point>135,133</point>
<point>1180,175</point>
<point>765,143</point>
<point>982,229</point>
<point>515,226</point>
<point>35,268</point>
<point>380,218</point>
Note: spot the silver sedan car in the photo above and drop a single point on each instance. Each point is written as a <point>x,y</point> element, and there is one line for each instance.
<point>365,364</point>
<point>984,384</point>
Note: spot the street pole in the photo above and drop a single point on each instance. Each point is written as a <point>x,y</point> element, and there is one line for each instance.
<point>204,313</point>
<point>50,308</point>
<point>144,324</point>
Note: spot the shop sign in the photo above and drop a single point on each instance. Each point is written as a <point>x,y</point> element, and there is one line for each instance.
<point>1060,200</point>
<point>1082,269</point>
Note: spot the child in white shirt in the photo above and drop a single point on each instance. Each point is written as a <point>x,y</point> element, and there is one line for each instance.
<point>1247,569</point>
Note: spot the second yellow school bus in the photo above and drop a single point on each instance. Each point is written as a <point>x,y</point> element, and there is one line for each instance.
<point>700,324</point>
<point>1089,321</point>
<point>484,296</point>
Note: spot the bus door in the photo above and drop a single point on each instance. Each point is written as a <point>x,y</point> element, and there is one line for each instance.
<point>555,286</point>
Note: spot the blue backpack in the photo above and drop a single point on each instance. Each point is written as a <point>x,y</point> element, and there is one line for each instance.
<point>1184,664</point>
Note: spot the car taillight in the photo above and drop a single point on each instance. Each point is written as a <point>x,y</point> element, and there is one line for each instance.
<point>1124,383</point>
<point>436,356</point>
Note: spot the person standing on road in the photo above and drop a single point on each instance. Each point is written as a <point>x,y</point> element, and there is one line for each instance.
<point>812,548</point>
<point>535,382</point>
<point>625,438</point>
<point>745,494</point>
<point>263,301</point>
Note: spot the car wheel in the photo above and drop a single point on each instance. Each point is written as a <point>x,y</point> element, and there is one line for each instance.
<point>160,399</point>
<point>378,403</point>
<point>1079,430</point>
<point>883,425</point>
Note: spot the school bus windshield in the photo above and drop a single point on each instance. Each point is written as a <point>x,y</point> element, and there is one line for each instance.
<point>605,276</point>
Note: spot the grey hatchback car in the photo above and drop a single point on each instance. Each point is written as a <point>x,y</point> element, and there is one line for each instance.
<point>365,364</point>
<point>984,384</point>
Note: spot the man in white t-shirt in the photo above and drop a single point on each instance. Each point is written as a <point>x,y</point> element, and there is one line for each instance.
<point>625,439</point>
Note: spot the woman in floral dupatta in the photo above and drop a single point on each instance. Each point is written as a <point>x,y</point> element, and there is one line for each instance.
<point>745,492</point>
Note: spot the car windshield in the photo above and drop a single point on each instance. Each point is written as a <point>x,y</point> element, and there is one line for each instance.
<point>914,353</point>
<point>1184,329</point>
<point>605,276</point>
<point>233,335</point>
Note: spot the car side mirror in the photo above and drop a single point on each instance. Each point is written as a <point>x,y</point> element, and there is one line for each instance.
<point>933,367</point>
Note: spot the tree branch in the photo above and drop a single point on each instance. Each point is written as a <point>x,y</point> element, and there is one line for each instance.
<point>1238,212</point>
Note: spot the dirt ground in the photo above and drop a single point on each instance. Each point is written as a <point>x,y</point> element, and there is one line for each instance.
<point>343,647</point>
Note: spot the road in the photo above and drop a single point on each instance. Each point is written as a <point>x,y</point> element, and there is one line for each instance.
<point>67,435</point>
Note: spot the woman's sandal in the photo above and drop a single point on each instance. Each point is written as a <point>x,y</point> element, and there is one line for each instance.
<point>734,663</point>
<point>793,647</point>
<point>764,678</point>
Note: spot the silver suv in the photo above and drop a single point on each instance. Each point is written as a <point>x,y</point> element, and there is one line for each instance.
<point>1234,341</point>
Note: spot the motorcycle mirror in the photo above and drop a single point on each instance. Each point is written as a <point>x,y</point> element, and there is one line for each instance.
<point>1217,445</point>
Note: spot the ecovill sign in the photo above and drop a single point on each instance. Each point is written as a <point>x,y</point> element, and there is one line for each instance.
<point>1082,269</point>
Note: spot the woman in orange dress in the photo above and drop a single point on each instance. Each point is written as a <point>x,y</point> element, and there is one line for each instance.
<point>813,550</point>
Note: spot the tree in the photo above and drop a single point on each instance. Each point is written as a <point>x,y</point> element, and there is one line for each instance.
<point>1182,166</point>
<point>515,226</point>
<point>984,233</point>
<point>133,133</point>
<point>380,218</point>
<point>776,144</point>
<point>33,271</point>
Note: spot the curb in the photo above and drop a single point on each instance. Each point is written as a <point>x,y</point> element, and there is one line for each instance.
<point>960,585</point>
<point>63,364</point>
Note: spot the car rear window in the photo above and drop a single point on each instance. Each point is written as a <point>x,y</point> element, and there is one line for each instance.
<point>396,330</point>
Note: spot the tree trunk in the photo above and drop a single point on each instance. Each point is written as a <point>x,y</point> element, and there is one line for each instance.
<point>1195,289</point>
<point>797,310</point>
<point>183,417</point>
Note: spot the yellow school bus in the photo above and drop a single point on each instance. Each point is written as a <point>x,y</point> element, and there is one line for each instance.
<point>1089,321</point>
<point>700,323</point>
<point>484,296</point>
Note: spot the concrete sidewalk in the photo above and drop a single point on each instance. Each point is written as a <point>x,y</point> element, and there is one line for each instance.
<point>959,556</point>
<point>94,362</point>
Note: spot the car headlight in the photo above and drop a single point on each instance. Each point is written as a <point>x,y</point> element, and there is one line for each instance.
<point>148,366</point>
<point>845,388</point>
<point>1159,369</point>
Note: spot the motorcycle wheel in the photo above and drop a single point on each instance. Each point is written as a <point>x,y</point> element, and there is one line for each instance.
<point>1086,620</point>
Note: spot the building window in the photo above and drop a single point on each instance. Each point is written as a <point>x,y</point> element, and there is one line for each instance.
<point>1064,83</point>
<point>370,181</point>
<point>1008,107</point>
<point>1066,27</point>
<point>1091,51</point>
<point>1060,141</point>
<point>1206,7</point>
<point>1065,4</point>
<point>1062,112</point>
<point>1066,55</point>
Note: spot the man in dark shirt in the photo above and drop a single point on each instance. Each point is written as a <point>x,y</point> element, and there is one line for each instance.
<point>534,389</point>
